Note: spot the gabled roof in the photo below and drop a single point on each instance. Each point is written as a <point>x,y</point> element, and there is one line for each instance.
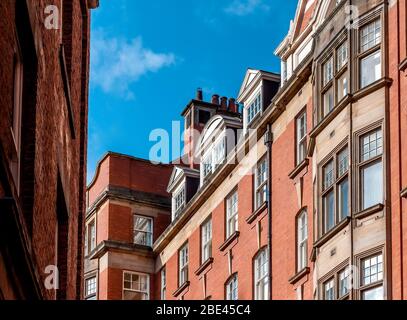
<point>178,173</point>
<point>252,78</point>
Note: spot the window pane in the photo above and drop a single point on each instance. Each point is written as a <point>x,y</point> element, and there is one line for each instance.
<point>328,175</point>
<point>143,231</point>
<point>232,289</point>
<point>328,101</point>
<point>343,162</point>
<point>372,180</point>
<point>342,86</point>
<point>371,145</point>
<point>328,71</point>
<point>342,55</point>
<point>343,199</point>
<point>372,269</point>
<point>231,214</point>
<point>90,286</point>
<point>370,69</point>
<point>344,282</point>
<point>329,290</point>
<point>261,183</point>
<point>373,294</point>
<point>301,137</point>
<point>370,35</point>
<point>329,207</point>
<point>254,109</point>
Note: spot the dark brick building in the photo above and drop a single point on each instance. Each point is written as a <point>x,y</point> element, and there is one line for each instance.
<point>44,72</point>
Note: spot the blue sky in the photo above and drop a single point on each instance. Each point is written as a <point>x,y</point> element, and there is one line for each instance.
<point>149,57</point>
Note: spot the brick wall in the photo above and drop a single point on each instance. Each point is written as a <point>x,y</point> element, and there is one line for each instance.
<point>51,148</point>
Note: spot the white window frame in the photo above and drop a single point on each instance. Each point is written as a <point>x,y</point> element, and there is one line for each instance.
<point>301,136</point>
<point>163,291</point>
<point>232,214</point>
<point>183,265</point>
<point>91,295</point>
<point>374,157</point>
<point>148,233</point>
<point>206,240</point>
<point>261,275</point>
<point>132,273</point>
<point>232,288</point>
<point>372,33</point>
<point>260,180</point>
<point>302,240</point>
<point>255,107</point>
<point>90,236</point>
<point>179,201</point>
<point>214,156</point>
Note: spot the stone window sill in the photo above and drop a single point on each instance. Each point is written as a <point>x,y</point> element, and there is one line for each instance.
<point>256,213</point>
<point>204,266</point>
<point>229,241</point>
<point>328,236</point>
<point>369,211</point>
<point>181,289</point>
<point>403,193</point>
<point>299,275</point>
<point>293,174</point>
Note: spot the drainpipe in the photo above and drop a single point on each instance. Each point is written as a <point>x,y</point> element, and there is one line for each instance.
<point>268,141</point>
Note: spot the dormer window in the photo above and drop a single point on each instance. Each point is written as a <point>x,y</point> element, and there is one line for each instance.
<point>254,108</point>
<point>214,156</point>
<point>178,202</point>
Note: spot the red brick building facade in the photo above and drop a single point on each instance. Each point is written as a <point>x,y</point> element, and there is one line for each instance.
<point>300,194</point>
<point>44,72</point>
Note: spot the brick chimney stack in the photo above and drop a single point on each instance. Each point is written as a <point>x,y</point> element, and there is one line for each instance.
<point>215,99</point>
<point>223,103</point>
<point>232,105</point>
<point>199,94</point>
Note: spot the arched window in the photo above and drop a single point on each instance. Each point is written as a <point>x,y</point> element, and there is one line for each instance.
<point>261,275</point>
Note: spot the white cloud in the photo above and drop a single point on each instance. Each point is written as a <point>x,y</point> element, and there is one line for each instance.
<point>117,62</point>
<point>245,7</point>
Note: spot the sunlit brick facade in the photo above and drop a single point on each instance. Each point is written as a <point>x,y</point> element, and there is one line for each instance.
<point>299,191</point>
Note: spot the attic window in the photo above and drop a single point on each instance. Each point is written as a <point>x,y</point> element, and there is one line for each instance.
<point>254,108</point>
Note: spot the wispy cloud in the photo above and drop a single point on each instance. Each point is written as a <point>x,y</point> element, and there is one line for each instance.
<point>245,7</point>
<point>117,62</point>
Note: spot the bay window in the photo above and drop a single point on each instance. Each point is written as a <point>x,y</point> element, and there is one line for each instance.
<point>335,83</point>
<point>261,275</point>
<point>344,282</point>
<point>335,190</point>
<point>329,289</point>
<point>90,288</point>
<point>371,169</point>
<point>370,53</point>
<point>372,278</point>
<point>136,286</point>
<point>231,214</point>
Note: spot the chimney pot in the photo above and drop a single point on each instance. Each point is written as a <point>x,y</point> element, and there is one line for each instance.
<point>199,94</point>
<point>215,99</point>
<point>224,103</point>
